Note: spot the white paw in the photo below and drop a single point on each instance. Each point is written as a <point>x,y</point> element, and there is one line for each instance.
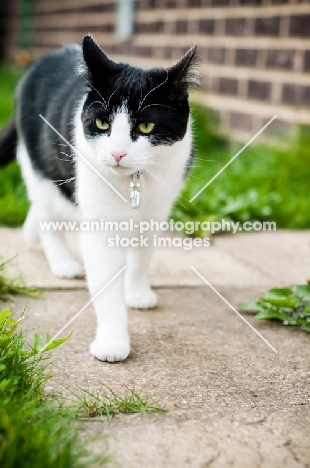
<point>141,300</point>
<point>68,269</point>
<point>110,350</point>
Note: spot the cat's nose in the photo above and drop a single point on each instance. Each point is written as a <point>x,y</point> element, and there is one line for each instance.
<point>118,155</point>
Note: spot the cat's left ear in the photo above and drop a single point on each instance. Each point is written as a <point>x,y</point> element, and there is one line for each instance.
<point>98,64</point>
<point>184,74</point>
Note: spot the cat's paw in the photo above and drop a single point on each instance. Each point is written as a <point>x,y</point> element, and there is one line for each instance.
<point>68,269</point>
<point>141,300</point>
<point>110,350</point>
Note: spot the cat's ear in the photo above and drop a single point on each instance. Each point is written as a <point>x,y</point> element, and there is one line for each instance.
<point>95,59</point>
<point>184,74</point>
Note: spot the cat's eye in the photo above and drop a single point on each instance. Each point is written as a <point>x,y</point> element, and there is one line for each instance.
<point>146,127</point>
<point>101,124</point>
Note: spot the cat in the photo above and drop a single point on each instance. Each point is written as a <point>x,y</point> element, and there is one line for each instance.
<point>128,125</point>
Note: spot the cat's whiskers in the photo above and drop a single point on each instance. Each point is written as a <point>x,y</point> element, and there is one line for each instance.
<point>95,102</point>
<point>63,181</point>
<point>161,105</point>
<point>96,90</point>
<point>112,95</point>
<point>194,177</point>
<point>70,156</point>
<point>202,159</point>
<point>156,87</point>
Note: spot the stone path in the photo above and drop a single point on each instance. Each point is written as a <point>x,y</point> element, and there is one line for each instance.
<point>232,402</point>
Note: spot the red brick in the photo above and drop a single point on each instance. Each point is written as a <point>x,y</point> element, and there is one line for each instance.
<point>300,25</point>
<point>307,61</point>
<point>283,59</point>
<point>218,3</point>
<point>206,26</point>
<point>144,51</point>
<point>267,26</point>
<point>306,95</point>
<point>235,26</point>
<point>259,90</point>
<point>172,3</point>
<point>181,26</point>
<point>251,2</point>
<point>228,86</point>
<point>156,27</point>
<point>193,3</point>
<point>292,94</point>
<point>246,57</point>
<point>241,121</point>
<point>216,55</point>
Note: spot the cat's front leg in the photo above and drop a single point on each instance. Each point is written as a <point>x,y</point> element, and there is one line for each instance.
<point>102,263</point>
<point>138,292</point>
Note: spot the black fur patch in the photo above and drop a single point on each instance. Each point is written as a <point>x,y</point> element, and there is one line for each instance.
<point>54,89</point>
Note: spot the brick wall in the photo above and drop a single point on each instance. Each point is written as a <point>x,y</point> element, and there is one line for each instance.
<point>255,54</point>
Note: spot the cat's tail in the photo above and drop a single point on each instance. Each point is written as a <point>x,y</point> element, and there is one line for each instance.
<point>8,143</point>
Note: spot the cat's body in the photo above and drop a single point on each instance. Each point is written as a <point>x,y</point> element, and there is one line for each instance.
<point>121,120</point>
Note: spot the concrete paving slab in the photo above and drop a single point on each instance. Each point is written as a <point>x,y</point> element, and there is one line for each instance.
<point>282,255</point>
<point>264,259</point>
<point>231,400</point>
<point>31,264</point>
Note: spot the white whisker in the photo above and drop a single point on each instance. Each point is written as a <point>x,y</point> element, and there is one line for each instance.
<point>96,90</point>
<point>112,95</point>
<point>64,181</point>
<point>95,102</point>
<point>156,87</point>
<point>161,105</point>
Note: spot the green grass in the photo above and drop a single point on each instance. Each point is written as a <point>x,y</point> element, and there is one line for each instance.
<point>13,199</point>
<point>36,429</point>
<point>13,286</point>
<point>290,306</point>
<point>9,76</point>
<point>267,182</point>
<point>107,403</point>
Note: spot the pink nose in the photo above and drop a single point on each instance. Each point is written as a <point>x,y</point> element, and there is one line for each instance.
<point>118,155</point>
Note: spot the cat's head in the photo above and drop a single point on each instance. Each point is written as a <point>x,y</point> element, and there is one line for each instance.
<point>130,114</point>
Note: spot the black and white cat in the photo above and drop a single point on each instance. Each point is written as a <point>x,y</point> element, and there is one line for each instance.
<point>121,119</point>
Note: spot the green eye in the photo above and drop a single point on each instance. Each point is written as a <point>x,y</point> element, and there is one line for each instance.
<point>101,124</point>
<point>146,127</point>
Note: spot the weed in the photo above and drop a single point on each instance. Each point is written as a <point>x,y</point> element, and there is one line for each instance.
<point>13,286</point>
<point>287,305</point>
<point>36,429</point>
<point>108,403</point>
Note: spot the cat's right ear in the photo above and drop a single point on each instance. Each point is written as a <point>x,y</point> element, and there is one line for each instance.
<point>95,59</point>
